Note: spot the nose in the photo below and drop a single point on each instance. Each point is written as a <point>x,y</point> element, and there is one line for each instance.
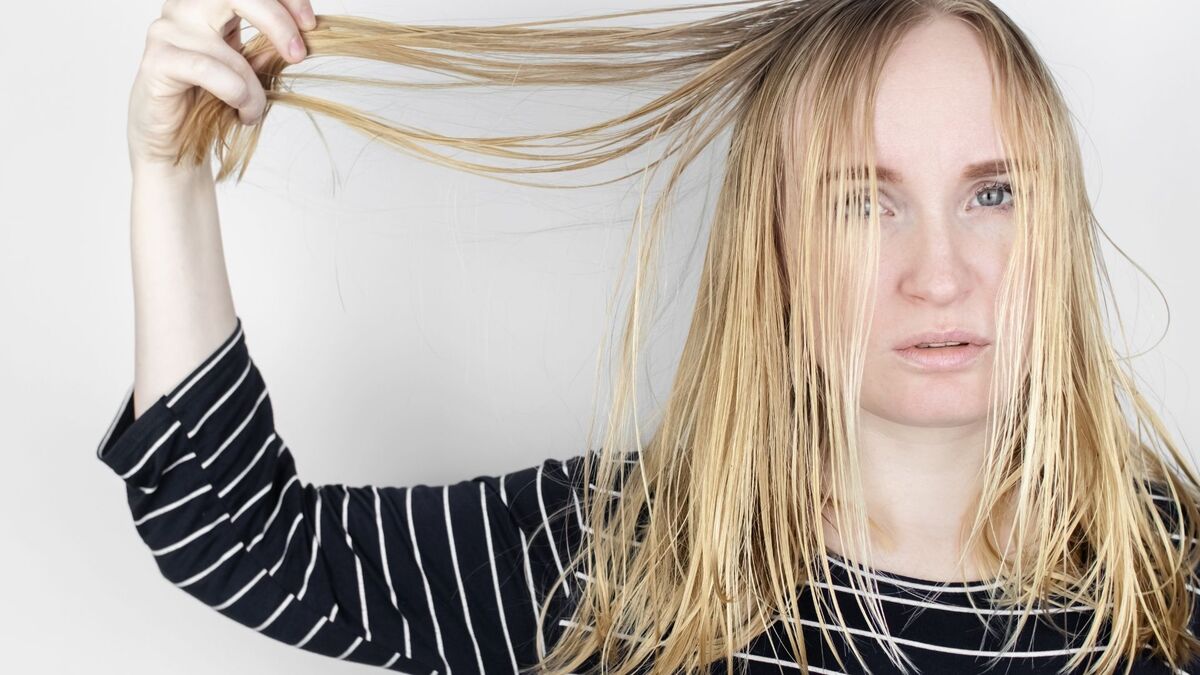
<point>934,261</point>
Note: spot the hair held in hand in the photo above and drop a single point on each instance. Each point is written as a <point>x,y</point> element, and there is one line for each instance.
<point>718,524</point>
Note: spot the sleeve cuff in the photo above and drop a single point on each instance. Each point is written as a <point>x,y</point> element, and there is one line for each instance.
<point>129,444</point>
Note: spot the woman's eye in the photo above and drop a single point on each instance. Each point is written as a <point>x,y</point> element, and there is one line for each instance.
<point>864,205</point>
<point>992,195</point>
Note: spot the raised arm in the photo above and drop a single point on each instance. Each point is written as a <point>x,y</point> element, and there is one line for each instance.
<point>183,306</point>
<point>415,579</point>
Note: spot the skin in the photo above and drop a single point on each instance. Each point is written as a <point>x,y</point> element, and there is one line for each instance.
<point>183,305</point>
<point>943,254</point>
<point>944,247</point>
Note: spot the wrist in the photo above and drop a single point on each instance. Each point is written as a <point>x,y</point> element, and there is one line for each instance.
<point>162,171</point>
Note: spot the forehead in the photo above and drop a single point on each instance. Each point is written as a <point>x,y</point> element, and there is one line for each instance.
<point>933,111</point>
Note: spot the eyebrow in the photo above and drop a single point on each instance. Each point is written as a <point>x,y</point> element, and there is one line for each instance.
<point>984,169</point>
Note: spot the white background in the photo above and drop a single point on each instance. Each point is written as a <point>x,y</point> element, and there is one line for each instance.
<point>417,324</point>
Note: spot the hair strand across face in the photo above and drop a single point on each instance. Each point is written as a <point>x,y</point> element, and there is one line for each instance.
<point>718,529</point>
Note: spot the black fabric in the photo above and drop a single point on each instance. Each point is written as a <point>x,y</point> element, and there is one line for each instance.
<point>444,579</point>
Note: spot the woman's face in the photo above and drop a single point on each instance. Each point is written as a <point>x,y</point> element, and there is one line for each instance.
<point>946,228</point>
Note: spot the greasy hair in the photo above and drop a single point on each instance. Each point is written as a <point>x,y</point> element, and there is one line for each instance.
<point>718,528</point>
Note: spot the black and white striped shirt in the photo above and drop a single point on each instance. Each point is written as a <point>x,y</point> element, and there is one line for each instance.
<point>446,579</point>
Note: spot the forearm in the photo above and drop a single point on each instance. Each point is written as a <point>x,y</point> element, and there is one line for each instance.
<point>183,305</point>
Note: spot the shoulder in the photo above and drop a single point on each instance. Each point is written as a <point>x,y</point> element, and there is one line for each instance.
<point>1173,508</point>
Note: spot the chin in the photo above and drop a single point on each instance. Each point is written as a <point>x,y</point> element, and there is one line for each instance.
<point>939,419</point>
<point>929,406</point>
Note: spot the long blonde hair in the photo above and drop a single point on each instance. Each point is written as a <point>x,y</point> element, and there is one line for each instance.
<point>717,528</point>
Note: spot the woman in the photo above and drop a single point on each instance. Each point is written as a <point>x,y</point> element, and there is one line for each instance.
<point>896,358</point>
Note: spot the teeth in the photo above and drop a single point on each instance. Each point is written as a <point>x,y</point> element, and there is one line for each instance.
<point>926,345</point>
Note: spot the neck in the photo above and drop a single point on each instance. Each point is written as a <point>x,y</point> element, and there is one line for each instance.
<point>920,486</point>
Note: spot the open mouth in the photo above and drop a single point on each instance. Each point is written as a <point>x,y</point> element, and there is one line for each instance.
<point>941,356</point>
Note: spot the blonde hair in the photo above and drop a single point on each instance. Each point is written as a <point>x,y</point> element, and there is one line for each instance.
<point>718,523</point>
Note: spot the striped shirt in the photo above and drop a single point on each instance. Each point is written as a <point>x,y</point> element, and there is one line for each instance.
<point>448,579</point>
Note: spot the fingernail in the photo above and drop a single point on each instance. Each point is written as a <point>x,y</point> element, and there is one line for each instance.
<point>296,47</point>
<point>310,21</point>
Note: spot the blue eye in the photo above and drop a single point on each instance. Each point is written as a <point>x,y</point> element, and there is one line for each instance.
<point>990,195</point>
<point>995,191</point>
<point>864,204</point>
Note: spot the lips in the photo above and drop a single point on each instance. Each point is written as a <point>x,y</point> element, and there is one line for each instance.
<point>941,358</point>
<point>942,337</point>
<point>959,349</point>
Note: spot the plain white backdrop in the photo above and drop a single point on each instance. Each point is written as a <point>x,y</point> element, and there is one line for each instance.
<point>417,324</point>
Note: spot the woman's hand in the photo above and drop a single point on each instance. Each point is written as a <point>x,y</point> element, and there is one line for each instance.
<point>197,43</point>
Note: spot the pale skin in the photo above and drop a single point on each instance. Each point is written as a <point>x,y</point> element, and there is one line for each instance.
<point>183,306</point>
<point>944,247</point>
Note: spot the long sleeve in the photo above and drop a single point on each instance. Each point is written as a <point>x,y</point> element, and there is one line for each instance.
<point>420,579</point>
